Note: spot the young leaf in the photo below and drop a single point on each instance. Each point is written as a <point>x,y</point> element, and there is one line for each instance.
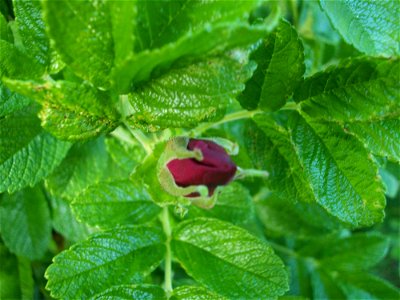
<point>82,35</point>
<point>194,293</point>
<point>139,291</point>
<point>362,96</point>
<point>207,248</point>
<point>371,26</point>
<point>119,256</point>
<point>325,165</point>
<point>27,154</point>
<point>188,95</point>
<point>70,111</point>
<point>31,29</point>
<point>113,203</point>
<point>25,223</point>
<point>280,60</point>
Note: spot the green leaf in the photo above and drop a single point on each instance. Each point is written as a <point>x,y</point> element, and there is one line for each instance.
<point>367,286</point>
<point>5,31</point>
<point>194,293</point>
<point>357,252</point>
<point>119,256</point>
<point>324,287</point>
<point>163,23</point>
<point>228,260</point>
<point>324,164</point>
<point>140,291</point>
<point>25,223</point>
<point>85,165</point>
<point>9,277</point>
<point>113,203</point>
<point>126,156</point>
<point>31,29</point>
<point>70,111</point>
<point>371,26</point>
<point>123,15</point>
<point>234,204</point>
<point>10,101</point>
<point>82,35</point>
<point>25,278</point>
<point>362,96</point>
<point>282,217</point>
<point>188,95</point>
<point>16,64</point>
<point>65,222</point>
<point>280,60</point>
<point>170,30</point>
<point>27,154</point>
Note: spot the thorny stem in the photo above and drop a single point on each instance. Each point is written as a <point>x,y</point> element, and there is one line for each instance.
<point>242,114</point>
<point>168,258</point>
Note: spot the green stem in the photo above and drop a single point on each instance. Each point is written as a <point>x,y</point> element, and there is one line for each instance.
<point>168,257</point>
<point>283,249</point>
<point>142,138</point>
<point>242,114</point>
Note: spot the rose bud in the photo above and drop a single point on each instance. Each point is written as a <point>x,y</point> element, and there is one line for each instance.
<point>216,167</point>
<point>195,168</point>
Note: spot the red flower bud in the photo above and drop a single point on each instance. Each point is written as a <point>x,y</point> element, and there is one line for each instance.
<point>216,168</point>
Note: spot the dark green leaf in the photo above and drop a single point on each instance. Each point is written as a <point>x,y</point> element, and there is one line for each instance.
<point>137,292</point>
<point>228,260</point>
<point>82,35</point>
<point>31,29</point>
<point>324,164</point>
<point>70,111</point>
<point>27,154</point>
<point>362,96</point>
<point>113,203</point>
<point>188,95</point>
<point>119,256</point>
<point>371,26</point>
<point>280,61</point>
<point>25,223</point>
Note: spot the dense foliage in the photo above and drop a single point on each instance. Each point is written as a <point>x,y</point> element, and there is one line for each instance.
<point>306,91</point>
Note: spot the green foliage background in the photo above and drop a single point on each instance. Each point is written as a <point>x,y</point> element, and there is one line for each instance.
<point>90,92</point>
